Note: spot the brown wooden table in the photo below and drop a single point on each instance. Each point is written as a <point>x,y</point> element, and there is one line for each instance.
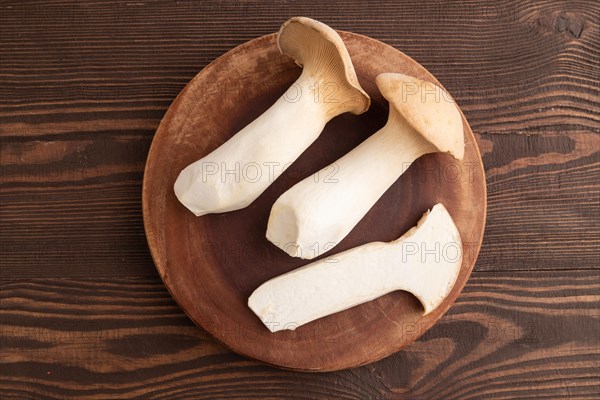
<point>83,313</point>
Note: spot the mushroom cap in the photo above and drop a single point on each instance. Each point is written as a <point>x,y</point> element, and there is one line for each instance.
<point>427,108</point>
<point>318,48</point>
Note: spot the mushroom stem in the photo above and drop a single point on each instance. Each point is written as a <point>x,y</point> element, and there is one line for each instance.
<point>325,210</point>
<point>425,261</point>
<point>316,214</point>
<point>236,173</point>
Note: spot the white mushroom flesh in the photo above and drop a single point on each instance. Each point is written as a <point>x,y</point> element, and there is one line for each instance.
<point>425,261</point>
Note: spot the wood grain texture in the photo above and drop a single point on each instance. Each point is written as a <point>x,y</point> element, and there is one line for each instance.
<point>83,86</point>
<point>510,335</point>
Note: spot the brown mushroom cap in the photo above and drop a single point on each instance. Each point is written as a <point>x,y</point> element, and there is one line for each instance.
<point>321,52</point>
<point>427,108</point>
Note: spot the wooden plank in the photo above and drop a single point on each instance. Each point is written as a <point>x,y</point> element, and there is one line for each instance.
<point>510,335</point>
<point>512,66</point>
<point>77,202</point>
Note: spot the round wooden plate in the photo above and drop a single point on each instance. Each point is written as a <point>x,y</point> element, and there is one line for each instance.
<point>211,264</point>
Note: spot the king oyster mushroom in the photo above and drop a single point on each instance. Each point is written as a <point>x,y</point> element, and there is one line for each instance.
<point>278,137</point>
<point>317,214</point>
<point>425,261</point>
